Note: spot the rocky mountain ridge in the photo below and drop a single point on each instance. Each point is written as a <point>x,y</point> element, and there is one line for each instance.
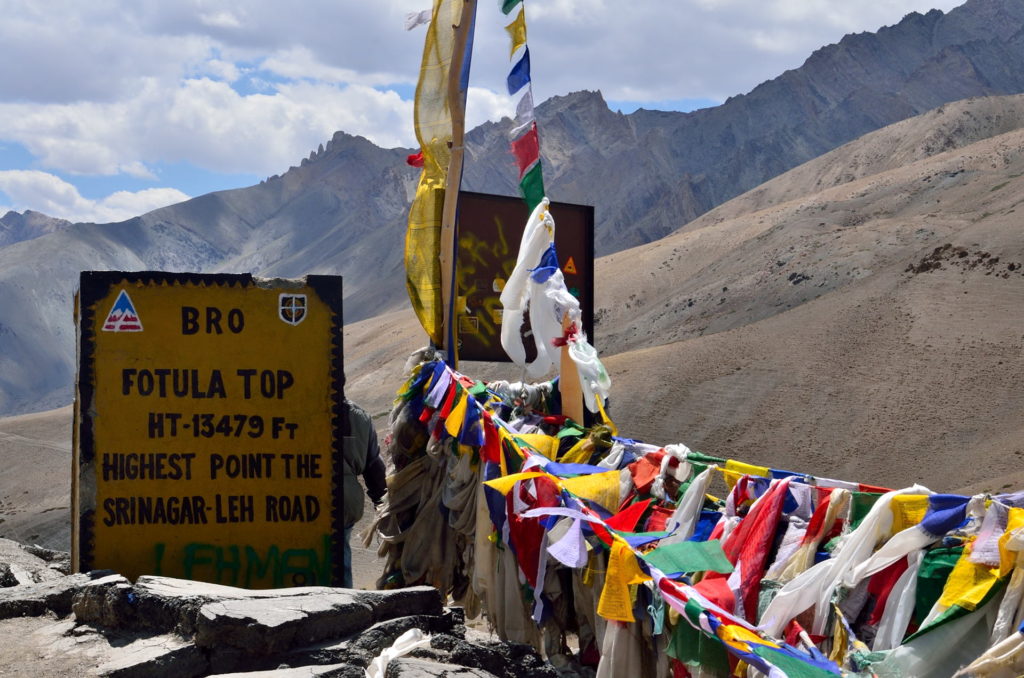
<point>343,210</point>
<point>858,317</point>
<point>19,226</point>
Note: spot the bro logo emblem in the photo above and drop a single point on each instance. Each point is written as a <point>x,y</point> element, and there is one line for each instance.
<point>291,308</point>
<point>123,317</point>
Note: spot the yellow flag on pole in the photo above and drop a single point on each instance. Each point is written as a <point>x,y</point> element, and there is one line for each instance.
<point>433,123</point>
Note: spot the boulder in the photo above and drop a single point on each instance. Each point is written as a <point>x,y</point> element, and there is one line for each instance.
<point>269,625</point>
<point>53,595</point>
<point>165,656</point>
<point>324,671</point>
<point>162,627</point>
<point>30,564</point>
<point>411,667</point>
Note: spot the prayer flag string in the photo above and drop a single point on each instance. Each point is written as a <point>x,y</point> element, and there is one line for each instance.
<point>525,141</point>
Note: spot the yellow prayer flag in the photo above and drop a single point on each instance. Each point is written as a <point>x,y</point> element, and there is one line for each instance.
<point>1008,558</point>
<point>602,488</point>
<point>968,583</point>
<point>517,31</point>
<point>734,470</point>
<point>840,639</point>
<point>506,483</point>
<point>739,637</point>
<point>546,445</point>
<point>908,510</point>
<point>604,415</point>
<point>453,424</point>
<point>623,570</point>
<point>433,125</point>
<point>579,453</point>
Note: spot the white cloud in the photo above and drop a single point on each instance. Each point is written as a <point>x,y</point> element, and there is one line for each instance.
<point>299,63</point>
<point>221,19</point>
<point>206,123</point>
<point>656,51</point>
<point>51,195</point>
<point>65,51</point>
<point>483,105</point>
<point>219,70</point>
<point>127,204</point>
<point>118,87</point>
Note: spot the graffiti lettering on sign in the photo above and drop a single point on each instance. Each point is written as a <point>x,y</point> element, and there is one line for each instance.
<point>484,266</point>
<point>251,566</point>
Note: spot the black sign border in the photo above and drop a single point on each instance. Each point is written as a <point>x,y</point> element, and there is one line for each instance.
<point>95,285</point>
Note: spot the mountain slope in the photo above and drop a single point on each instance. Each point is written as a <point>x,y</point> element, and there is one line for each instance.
<point>16,227</point>
<point>651,171</point>
<point>343,210</point>
<point>859,317</point>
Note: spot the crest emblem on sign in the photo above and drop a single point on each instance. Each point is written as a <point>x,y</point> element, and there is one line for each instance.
<point>291,308</point>
<point>123,317</point>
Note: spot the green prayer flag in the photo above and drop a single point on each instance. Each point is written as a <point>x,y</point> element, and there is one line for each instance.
<point>791,666</point>
<point>690,556</point>
<point>695,648</point>
<point>956,611</point>
<point>860,505</point>
<point>532,187</point>
<point>569,431</point>
<point>931,578</point>
<point>507,5</point>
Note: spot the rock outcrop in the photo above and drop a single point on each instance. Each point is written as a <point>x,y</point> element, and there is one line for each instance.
<point>18,226</point>
<point>99,623</point>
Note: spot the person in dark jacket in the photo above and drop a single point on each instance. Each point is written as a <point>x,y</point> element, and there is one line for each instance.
<point>361,458</point>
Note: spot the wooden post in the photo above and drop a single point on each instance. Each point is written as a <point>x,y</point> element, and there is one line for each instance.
<point>569,382</point>
<point>457,108</point>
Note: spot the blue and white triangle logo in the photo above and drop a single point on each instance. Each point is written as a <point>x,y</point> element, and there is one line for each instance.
<point>123,317</point>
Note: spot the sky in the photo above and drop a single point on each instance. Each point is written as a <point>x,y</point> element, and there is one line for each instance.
<point>112,108</point>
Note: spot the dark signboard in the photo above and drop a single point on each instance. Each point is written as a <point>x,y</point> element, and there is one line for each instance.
<point>490,228</point>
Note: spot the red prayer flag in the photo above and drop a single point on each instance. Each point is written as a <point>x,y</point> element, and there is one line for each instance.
<point>449,401</point>
<point>658,519</point>
<point>881,584</point>
<point>491,451</point>
<point>625,521</point>
<point>749,543</point>
<point>526,149</point>
<point>416,159</point>
<point>817,523</point>
<point>645,469</point>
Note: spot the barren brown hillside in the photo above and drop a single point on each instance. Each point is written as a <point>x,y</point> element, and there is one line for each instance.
<point>859,317</point>
<point>871,330</point>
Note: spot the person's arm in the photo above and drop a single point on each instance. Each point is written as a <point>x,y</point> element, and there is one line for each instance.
<point>375,474</point>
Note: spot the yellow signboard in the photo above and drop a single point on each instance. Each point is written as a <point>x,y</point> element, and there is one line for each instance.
<point>209,423</point>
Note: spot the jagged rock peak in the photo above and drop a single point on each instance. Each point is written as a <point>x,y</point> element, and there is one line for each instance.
<point>581,97</point>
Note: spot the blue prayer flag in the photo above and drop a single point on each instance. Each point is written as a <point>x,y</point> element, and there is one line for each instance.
<point>520,75</point>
